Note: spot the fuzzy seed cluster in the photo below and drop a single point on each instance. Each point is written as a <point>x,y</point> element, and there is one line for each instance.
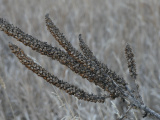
<point>131,61</point>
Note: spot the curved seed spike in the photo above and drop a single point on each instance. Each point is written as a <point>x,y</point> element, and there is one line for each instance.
<point>132,70</point>
<point>68,88</point>
<point>131,61</point>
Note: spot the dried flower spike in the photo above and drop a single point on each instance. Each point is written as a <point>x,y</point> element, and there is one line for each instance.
<point>85,65</point>
<point>131,61</point>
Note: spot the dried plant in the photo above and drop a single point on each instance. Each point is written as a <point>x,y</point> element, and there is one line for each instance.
<point>86,65</point>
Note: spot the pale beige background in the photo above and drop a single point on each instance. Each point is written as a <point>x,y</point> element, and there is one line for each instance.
<point>106,26</point>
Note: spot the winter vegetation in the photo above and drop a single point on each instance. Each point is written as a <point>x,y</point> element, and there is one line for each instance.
<point>124,78</point>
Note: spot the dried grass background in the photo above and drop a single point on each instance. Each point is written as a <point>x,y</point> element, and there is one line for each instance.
<point>106,26</point>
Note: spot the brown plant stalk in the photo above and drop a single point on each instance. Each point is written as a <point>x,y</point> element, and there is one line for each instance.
<point>86,65</point>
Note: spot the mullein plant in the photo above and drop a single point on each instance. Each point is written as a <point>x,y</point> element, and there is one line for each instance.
<point>86,65</point>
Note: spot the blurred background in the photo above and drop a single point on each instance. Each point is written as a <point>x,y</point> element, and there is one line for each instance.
<point>106,26</point>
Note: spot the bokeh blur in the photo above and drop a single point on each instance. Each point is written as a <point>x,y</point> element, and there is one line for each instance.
<point>106,26</point>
